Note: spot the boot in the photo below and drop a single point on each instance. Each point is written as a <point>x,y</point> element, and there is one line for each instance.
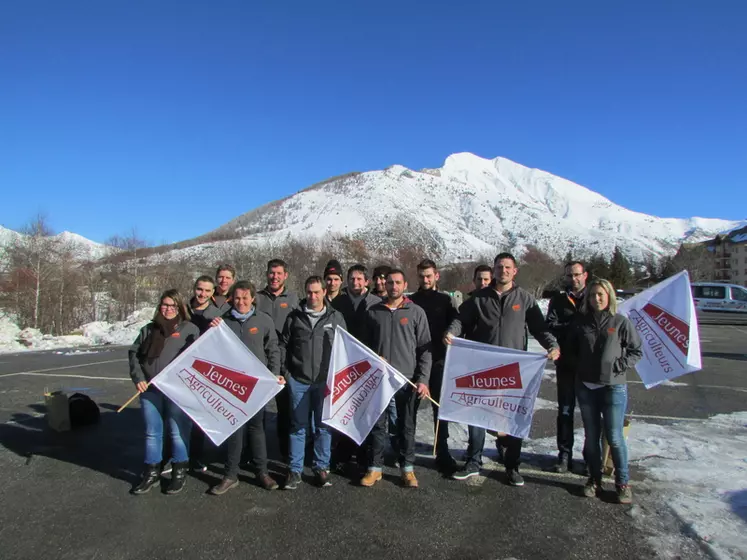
<point>151,477</point>
<point>178,478</point>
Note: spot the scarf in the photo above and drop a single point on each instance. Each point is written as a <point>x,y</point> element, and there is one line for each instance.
<point>241,316</point>
<point>162,329</point>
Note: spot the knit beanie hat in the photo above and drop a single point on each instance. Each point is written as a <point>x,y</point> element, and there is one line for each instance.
<point>381,270</point>
<point>333,267</point>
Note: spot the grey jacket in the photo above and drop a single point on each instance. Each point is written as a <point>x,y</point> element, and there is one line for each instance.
<point>308,349</point>
<point>143,370</point>
<point>258,334</point>
<point>277,307</point>
<point>502,320</point>
<point>401,337</point>
<point>602,347</point>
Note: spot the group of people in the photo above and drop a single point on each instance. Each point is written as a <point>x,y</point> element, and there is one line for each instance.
<point>591,345</point>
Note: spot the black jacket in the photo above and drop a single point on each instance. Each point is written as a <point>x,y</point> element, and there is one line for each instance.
<point>143,370</point>
<point>308,349</point>
<point>440,311</point>
<point>354,318</point>
<point>601,347</point>
<point>502,320</point>
<point>259,335</point>
<point>401,337</point>
<point>202,318</point>
<point>561,312</point>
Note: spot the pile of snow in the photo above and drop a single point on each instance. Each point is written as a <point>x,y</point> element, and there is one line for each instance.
<point>121,332</point>
<point>98,333</point>
<point>696,469</point>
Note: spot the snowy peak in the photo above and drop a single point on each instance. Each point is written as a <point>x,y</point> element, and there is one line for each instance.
<point>469,207</point>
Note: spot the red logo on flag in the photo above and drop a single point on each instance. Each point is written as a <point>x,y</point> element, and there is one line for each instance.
<point>345,378</point>
<point>235,382</point>
<point>675,328</point>
<point>501,377</point>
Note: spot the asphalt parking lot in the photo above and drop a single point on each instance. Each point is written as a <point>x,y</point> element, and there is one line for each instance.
<point>66,495</point>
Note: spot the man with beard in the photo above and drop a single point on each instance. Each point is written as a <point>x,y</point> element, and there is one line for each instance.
<point>500,314</point>
<point>397,330</point>
<point>275,300</point>
<point>440,312</point>
<point>561,312</point>
<point>353,302</point>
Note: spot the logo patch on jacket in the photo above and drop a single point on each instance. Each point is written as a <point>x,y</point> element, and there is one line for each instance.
<point>175,335</point>
<point>403,321</point>
<point>611,330</point>
<point>283,305</point>
<point>516,307</point>
<point>253,330</point>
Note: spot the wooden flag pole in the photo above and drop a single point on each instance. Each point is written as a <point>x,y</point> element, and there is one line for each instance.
<point>435,437</point>
<point>129,402</point>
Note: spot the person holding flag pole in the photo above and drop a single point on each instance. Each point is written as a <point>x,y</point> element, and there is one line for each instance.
<point>500,315</point>
<point>397,330</point>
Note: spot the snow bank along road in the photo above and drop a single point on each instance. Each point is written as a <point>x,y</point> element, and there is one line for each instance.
<point>72,488</point>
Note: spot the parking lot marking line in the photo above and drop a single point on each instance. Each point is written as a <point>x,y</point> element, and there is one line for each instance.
<point>63,367</point>
<point>724,387</point>
<point>678,418</point>
<point>77,376</point>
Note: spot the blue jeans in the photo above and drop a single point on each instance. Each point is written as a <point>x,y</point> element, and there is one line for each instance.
<point>604,409</point>
<point>307,401</point>
<point>157,408</point>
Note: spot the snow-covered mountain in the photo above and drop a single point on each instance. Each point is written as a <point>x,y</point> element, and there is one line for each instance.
<point>85,248</point>
<point>469,207</point>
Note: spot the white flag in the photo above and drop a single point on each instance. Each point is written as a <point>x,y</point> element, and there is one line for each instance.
<point>490,386</point>
<point>359,387</point>
<point>218,383</point>
<point>664,316</point>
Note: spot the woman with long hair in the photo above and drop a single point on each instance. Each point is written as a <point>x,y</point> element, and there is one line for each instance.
<point>157,345</point>
<point>603,346</point>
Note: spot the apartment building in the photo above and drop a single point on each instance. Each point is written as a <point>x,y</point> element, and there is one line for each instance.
<point>730,257</point>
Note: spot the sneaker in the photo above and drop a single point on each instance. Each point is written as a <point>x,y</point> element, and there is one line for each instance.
<point>224,486</point>
<point>592,488</point>
<point>322,479</point>
<point>514,478</point>
<point>446,464</point>
<point>409,480</point>
<point>371,478</point>
<point>563,465</point>
<point>293,481</point>
<point>267,482</point>
<point>467,472</point>
<point>624,494</point>
<point>165,467</point>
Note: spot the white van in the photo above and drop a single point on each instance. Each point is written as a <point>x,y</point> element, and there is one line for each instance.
<point>712,296</point>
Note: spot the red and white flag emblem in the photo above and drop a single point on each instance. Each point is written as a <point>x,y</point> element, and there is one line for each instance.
<point>664,316</point>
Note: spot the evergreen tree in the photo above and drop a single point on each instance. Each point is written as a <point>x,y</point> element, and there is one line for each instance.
<point>598,267</point>
<point>619,272</point>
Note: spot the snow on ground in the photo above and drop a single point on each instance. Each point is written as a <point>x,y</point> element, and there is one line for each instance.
<point>695,478</point>
<point>98,333</point>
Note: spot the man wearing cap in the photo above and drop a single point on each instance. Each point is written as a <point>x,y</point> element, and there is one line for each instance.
<point>378,280</point>
<point>333,279</point>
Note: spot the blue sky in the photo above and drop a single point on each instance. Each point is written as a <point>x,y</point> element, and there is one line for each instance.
<point>173,117</point>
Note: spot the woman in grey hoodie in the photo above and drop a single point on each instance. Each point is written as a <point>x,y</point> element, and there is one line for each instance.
<point>603,345</point>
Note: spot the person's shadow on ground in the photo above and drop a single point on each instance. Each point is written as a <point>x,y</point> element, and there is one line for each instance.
<point>113,446</point>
